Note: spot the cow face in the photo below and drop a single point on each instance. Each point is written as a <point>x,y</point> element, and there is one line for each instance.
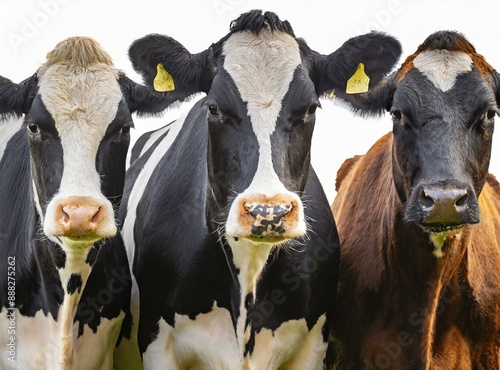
<point>263,87</point>
<point>77,122</point>
<point>443,112</point>
<point>264,157</point>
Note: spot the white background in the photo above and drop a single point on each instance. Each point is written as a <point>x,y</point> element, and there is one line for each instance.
<point>31,28</point>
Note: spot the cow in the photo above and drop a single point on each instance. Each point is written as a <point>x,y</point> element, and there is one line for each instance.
<point>232,243</point>
<point>64,135</point>
<point>419,222</point>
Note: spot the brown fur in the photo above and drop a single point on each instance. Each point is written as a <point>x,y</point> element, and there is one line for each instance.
<point>396,300</point>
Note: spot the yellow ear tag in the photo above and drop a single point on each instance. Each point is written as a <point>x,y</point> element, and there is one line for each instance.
<point>163,80</point>
<point>359,81</point>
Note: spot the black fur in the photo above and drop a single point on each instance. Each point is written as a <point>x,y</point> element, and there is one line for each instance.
<point>496,86</point>
<point>16,99</point>
<point>446,40</point>
<point>255,20</point>
<point>377,51</point>
<point>192,73</point>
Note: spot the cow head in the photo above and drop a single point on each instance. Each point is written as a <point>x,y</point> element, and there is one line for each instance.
<point>263,87</point>
<point>443,108</point>
<point>77,119</point>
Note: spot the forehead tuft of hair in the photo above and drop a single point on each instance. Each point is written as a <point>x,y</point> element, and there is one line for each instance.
<point>447,40</point>
<point>79,51</point>
<point>256,20</point>
<point>451,41</point>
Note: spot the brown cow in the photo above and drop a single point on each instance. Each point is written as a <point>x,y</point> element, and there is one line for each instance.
<point>419,222</point>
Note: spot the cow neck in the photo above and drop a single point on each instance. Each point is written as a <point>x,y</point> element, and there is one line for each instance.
<point>430,276</point>
<point>248,261</point>
<point>74,276</point>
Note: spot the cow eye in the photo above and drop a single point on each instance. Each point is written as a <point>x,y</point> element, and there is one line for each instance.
<point>396,115</point>
<point>33,128</point>
<point>125,129</point>
<point>490,114</point>
<point>312,109</point>
<point>213,109</point>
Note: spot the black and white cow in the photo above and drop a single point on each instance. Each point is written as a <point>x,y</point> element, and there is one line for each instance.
<point>234,249</point>
<point>64,135</point>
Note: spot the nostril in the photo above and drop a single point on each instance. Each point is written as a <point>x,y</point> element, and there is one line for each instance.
<point>65,215</point>
<point>426,200</point>
<point>462,201</point>
<point>95,217</point>
<point>248,207</point>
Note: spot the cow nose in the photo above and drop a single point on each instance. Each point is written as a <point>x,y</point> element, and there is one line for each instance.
<point>269,219</point>
<point>80,217</point>
<point>448,205</point>
<point>266,219</point>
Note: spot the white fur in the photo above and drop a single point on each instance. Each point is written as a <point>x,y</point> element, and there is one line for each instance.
<point>82,103</point>
<point>442,67</point>
<point>75,264</point>
<point>8,129</point>
<point>208,342</point>
<point>38,343</point>
<point>291,346</point>
<point>250,258</point>
<point>152,139</point>
<point>262,67</point>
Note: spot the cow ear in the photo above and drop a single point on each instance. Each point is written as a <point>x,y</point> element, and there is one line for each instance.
<point>16,99</point>
<point>170,72</point>
<point>357,72</point>
<point>496,86</point>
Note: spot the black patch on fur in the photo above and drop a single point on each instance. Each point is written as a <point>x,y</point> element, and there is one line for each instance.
<point>74,283</point>
<point>93,253</point>
<point>249,301</point>
<point>249,346</point>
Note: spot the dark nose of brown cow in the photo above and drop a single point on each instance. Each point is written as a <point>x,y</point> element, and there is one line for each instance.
<point>448,205</point>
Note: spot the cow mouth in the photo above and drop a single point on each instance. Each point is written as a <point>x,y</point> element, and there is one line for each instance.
<point>439,228</point>
<point>270,239</point>
<point>80,241</point>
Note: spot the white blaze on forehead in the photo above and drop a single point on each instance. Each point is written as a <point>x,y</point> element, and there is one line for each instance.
<point>82,102</point>
<point>262,67</point>
<point>442,67</point>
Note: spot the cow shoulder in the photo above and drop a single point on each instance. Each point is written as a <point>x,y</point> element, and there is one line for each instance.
<point>363,210</point>
<point>345,170</point>
<point>493,183</point>
<point>483,258</point>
